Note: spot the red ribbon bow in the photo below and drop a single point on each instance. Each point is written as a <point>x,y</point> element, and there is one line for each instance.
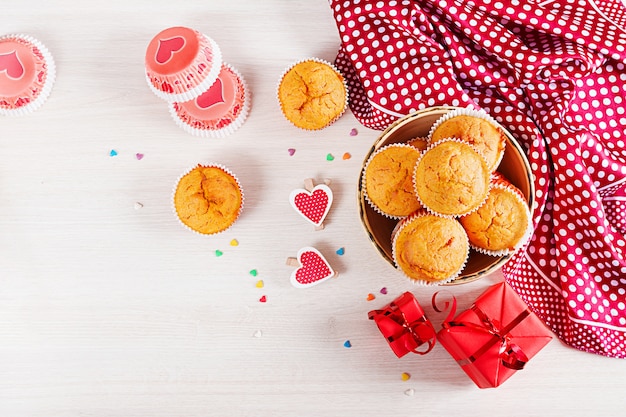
<point>405,326</point>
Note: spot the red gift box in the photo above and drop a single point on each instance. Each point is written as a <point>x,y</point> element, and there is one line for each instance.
<point>405,326</point>
<point>495,337</point>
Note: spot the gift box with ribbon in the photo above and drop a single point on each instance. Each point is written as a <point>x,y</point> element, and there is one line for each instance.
<point>495,337</point>
<point>405,326</point>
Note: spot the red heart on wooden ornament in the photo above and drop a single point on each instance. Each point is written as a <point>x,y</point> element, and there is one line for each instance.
<point>212,96</point>
<point>314,205</point>
<point>10,63</point>
<point>168,47</point>
<point>314,268</point>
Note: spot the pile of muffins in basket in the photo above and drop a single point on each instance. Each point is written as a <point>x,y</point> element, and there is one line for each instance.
<point>448,197</point>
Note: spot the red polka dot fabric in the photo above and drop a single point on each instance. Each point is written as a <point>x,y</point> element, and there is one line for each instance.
<point>554,73</point>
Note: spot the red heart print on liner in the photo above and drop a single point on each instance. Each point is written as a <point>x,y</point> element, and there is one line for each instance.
<point>168,47</point>
<point>314,268</point>
<point>212,96</point>
<point>10,63</point>
<point>314,205</point>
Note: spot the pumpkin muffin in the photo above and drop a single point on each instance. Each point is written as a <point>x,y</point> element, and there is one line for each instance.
<point>430,249</point>
<point>451,178</point>
<point>478,131</point>
<point>312,94</point>
<point>503,223</point>
<point>388,180</point>
<point>208,199</point>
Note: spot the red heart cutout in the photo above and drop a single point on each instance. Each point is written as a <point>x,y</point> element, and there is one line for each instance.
<point>314,205</point>
<point>10,63</point>
<point>313,270</point>
<point>214,95</point>
<point>168,47</point>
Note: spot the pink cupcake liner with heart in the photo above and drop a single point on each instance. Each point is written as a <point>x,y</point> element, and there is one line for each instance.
<point>364,180</point>
<point>320,61</point>
<point>209,165</point>
<point>227,123</point>
<point>426,206</point>
<point>34,95</point>
<point>420,282</point>
<point>472,113</point>
<point>195,79</point>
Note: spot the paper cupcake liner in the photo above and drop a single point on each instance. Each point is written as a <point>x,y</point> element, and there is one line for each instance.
<point>320,61</point>
<point>364,180</point>
<point>47,85</point>
<point>222,131</point>
<point>481,114</point>
<point>192,92</point>
<point>422,282</point>
<point>430,210</point>
<point>210,165</point>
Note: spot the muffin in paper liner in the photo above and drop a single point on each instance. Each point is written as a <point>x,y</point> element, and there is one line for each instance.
<point>430,249</point>
<point>207,199</point>
<point>474,127</point>
<point>451,178</point>
<point>312,94</point>
<point>387,180</point>
<point>181,63</point>
<point>503,224</point>
<point>27,74</point>
<point>217,112</point>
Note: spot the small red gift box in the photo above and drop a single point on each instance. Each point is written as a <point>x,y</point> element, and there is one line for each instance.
<point>495,337</point>
<point>405,326</point>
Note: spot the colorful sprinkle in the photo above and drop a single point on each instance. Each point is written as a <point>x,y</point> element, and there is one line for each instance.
<point>346,156</point>
<point>234,242</point>
<point>113,152</point>
<point>410,392</point>
<point>370,297</point>
<point>257,334</point>
<point>347,344</point>
<point>139,156</point>
<point>354,132</point>
<point>254,272</point>
<point>291,151</point>
<point>406,376</point>
<point>263,299</point>
<point>383,290</point>
<point>260,284</point>
<point>330,157</point>
<point>341,251</point>
<point>218,253</point>
<point>138,206</point>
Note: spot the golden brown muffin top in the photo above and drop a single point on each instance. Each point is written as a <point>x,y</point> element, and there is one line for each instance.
<point>431,248</point>
<point>452,178</point>
<point>478,132</point>
<point>389,180</point>
<point>312,95</point>
<point>208,199</point>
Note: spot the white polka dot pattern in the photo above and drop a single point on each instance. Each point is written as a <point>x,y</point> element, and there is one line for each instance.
<point>554,73</point>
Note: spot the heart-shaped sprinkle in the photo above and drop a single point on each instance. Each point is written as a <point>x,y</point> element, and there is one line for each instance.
<point>370,297</point>
<point>340,251</point>
<point>330,157</point>
<point>314,205</point>
<point>405,376</point>
<point>213,96</point>
<point>291,151</point>
<point>167,48</point>
<point>259,283</point>
<point>234,242</point>
<point>139,156</point>
<point>347,344</point>
<point>383,290</point>
<point>314,268</point>
<point>346,156</point>
<point>138,206</point>
<point>257,334</point>
<point>113,152</point>
<point>410,392</point>
<point>354,132</point>
<point>263,299</point>
<point>218,253</point>
<point>254,272</point>
<point>11,65</point>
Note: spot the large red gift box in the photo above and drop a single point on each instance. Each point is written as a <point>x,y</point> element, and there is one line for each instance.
<point>495,337</point>
<point>405,326</point>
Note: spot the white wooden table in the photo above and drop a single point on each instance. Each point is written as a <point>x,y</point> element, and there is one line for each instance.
<point>112,309</point>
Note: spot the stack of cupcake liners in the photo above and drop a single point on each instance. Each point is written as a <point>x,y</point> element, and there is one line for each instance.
<point>205,96</point>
